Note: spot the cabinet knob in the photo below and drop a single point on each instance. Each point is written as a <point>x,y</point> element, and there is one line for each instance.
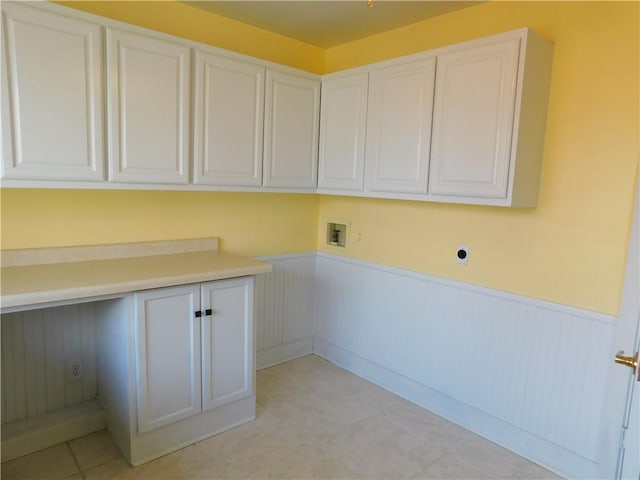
<point>208,312</point>
<point>198,314</point>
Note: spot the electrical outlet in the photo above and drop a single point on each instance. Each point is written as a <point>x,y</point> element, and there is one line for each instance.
<point>462,254</point>
<point>74,372</point>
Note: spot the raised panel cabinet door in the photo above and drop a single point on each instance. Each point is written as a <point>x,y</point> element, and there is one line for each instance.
<point>399,127</point>
<point>292,109</point>
<point>227,341</point>
<point>149,109</point>
<point>52,96</point>
<point>229,119</point>
<point>168,355</point>
<point>473,120</point>
<point>343,121</point>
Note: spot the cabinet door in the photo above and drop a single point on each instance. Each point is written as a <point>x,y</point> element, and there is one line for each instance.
<point>227,341</point>
<point>52,96</point>
<point>399,127</point>
<point>149,109</point>
<point>168,355</point>
<point>473,121</point>
<point>292,111</point>
<point>228,128</point>
<point>343,117</point>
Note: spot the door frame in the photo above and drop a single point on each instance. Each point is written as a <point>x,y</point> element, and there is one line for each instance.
<point>625,338</point>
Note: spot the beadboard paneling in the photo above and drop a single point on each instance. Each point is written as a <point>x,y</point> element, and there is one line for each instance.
<point>38,350</point>
<point>284,309</point>
<point>536,367</point>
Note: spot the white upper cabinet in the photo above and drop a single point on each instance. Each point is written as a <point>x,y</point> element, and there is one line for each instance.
<point>292,110</point>
<point>343,122</point>
<point>52,96</point>
<point>399,127</point>
<point>149,98</point>
<point>473,120</point>
<point>228,124</point>
<point>489,120</point>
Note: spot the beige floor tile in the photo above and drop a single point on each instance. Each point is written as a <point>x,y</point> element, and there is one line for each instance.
<point>427,426</point>
<point>94,449</point>
<point>378,448</point>
<point>49,464</point>
<point>475,457</point>
<point>315,420</point>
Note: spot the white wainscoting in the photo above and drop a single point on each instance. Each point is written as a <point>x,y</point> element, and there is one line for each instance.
<point>38,350</point>
<point>527,374</point>
<point>284,309</point>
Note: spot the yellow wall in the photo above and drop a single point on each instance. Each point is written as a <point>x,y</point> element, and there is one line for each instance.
<point>186,21</point>
<point>571,248</point>
<point>250,224</point>
<point>246,223</point>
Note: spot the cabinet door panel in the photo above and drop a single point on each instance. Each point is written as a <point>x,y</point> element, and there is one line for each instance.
<point>52,96</point>
<point>227,342</point>
<point>228,130</point>
<point>342,132</point>
<point>399,127</point>
<point>168,355</point>
<point>473,121</point>
<point>149,109</point>
<point>291,131</point>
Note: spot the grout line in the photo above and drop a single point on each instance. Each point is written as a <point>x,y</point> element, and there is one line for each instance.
<point>76,461</point>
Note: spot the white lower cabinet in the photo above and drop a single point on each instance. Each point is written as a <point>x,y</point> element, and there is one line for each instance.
<point>193,364</point>
<point>167,355</point>
<point>194,349</point>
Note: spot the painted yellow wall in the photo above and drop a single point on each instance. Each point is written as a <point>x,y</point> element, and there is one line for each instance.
<point>246,223</point>
<point>186,21</point>
<point>571,248</point>
<point>250,224</point>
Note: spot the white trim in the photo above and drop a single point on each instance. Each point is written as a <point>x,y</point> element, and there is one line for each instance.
<point>512,297</point>
<point>286,256</point>
<point>283,353</point>
<point>32,434</point>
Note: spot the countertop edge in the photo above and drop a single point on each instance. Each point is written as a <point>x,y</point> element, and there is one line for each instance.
<point>126,287</point>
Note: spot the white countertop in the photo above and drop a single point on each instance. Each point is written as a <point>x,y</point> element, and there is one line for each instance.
<point>30,285</point>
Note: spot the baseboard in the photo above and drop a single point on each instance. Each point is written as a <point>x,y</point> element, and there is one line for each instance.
<point>27,436</point>
<point>282,353</point>
<point>536,449</point>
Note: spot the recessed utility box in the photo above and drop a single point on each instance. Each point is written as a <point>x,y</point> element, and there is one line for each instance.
<point>337,234</point>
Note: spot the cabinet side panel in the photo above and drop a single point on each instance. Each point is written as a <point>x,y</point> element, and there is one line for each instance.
<point>528,144</point>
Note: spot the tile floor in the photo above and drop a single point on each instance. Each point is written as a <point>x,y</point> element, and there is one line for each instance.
<point>314,420</point>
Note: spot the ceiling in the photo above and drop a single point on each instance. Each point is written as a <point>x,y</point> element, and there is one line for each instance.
<point>328,23</point>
